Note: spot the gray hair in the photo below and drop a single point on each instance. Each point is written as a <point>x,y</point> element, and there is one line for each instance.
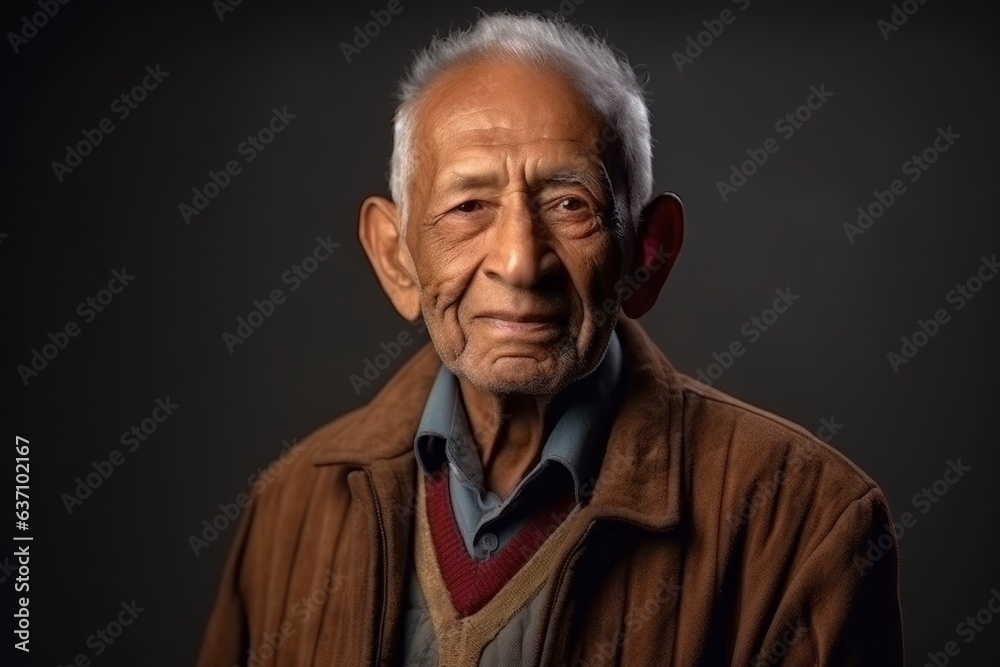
<point>602,75</point>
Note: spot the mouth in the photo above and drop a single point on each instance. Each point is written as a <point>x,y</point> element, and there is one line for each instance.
<point>523,324</point>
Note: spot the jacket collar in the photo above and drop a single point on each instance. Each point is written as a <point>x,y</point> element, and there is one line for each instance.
<point>640,477</point>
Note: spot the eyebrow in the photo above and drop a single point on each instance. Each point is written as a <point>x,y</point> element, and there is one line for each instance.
<point>458,181</point>
<point>593,184</point>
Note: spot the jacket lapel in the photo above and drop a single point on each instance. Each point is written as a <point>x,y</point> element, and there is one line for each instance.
<point>640,477</point>
<point>638,489</point>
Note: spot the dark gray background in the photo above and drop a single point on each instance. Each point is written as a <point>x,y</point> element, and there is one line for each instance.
<point>162,336</point>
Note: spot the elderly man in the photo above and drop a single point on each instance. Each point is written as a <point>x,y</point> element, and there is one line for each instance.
<point>539,486</point>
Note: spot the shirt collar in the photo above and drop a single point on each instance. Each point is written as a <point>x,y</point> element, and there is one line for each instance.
<point>582,414</point>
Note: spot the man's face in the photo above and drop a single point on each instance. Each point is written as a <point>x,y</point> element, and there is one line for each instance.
<point>508,229</point>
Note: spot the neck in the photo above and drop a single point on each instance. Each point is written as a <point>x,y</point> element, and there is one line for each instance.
<point>509,430</point>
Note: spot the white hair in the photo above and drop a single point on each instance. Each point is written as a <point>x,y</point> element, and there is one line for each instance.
<point>601,74</point>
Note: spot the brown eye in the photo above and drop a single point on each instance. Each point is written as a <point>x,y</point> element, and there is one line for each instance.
<point>573,216</point>
<point>468,207</point>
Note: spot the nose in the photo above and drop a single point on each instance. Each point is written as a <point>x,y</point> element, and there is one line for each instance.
<point>521,254</point>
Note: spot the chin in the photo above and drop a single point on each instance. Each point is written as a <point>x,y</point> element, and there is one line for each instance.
<point>515,365</point>
<point>518,374</point>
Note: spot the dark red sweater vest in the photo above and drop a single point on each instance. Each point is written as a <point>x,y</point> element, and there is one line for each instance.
<point>472,582</point>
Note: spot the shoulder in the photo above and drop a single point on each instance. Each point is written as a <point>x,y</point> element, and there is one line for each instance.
<point>761,464</point>
<point>291,503</point>
<point>285,487</point>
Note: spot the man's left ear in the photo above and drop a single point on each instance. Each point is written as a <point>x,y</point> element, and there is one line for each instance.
<point>659,237</point>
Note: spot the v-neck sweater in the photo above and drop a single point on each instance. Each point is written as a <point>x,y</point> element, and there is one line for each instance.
<point>462,638</point>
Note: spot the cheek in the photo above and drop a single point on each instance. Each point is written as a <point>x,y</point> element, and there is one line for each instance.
<point>594,273</point>
<point>445,270</point>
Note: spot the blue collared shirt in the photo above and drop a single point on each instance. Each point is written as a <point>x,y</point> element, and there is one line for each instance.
<point>571,455</point>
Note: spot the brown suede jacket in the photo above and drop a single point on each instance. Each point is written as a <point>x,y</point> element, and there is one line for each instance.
<point>716,534</point>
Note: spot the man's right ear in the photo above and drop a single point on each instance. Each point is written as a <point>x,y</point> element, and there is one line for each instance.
<point>378,231</point>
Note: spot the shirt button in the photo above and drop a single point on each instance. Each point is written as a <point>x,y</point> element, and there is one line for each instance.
<point>489,542</point>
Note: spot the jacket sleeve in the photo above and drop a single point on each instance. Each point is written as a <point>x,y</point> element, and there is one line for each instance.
<point>226,639</point>
<point>841,606</point>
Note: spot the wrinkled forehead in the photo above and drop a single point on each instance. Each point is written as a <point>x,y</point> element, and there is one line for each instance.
<point>491,104</point>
